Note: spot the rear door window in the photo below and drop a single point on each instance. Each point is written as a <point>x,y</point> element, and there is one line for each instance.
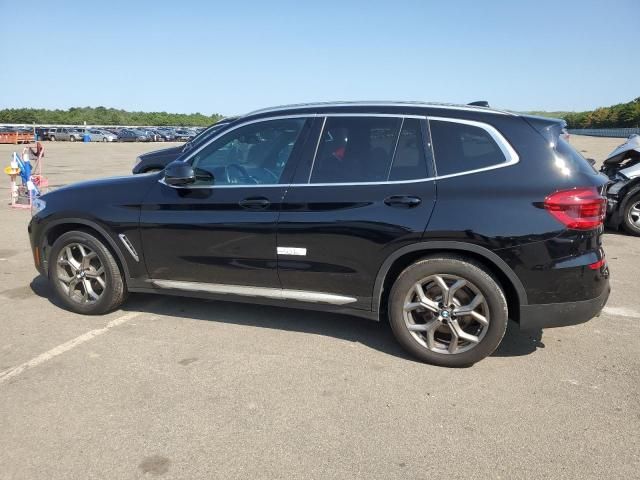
<point>355,149</point>
<point>460,147</point>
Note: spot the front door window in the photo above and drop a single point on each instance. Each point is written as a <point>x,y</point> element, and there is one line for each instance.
<point>253,154</point>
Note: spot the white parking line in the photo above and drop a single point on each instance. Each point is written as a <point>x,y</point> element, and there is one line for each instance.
<point>621,312</point>
<point>65,347</point>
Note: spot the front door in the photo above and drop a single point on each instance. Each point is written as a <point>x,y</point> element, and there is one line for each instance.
<point>222,229</point>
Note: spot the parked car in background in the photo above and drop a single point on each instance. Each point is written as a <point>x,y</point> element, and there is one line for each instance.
<point>65,134</point>
<point>447,220</point>
<point>183,135</point>
<point>42,133</point>
<point>96,135</point>
<point>622,166</point>
<point>158,159</point>
<point>51,134</point>
<point>149,133</point>
<point>164,135</point>
<point>131,135</point>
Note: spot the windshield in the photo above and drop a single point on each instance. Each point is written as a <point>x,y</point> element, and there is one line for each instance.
<point>205,134</point>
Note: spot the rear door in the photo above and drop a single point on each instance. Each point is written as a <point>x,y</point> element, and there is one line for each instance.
<point>362,191</point>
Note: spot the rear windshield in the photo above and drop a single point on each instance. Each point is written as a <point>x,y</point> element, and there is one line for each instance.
<point>575,158</point>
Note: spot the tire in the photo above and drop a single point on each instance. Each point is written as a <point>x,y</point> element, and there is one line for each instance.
<point>72,138</point>
<point>104,139</point>
<point>476,285</point>
<point>631,215</point>
<point>52,138</point>
<point>101,296</point>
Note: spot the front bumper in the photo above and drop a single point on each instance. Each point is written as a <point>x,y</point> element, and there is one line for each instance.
<point>535,317</point>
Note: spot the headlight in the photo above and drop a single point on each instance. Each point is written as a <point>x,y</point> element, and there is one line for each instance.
<point>37,206</point>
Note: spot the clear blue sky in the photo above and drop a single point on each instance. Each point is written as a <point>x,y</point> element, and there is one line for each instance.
<point>234,56</point>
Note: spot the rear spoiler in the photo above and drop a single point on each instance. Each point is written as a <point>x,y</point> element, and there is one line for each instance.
<point>549,128</point>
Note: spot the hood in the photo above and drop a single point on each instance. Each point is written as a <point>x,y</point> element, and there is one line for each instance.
<point>127,189</point>
<point>629,149</point>
<point>172,152</point>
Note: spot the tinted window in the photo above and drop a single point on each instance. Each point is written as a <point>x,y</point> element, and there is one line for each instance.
<point>409,162</point>
<point>355,149</point>
<point>255,154</point>
<point>459,147</point>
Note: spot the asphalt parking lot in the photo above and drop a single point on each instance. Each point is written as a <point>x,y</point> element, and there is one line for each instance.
<point>184,388</point>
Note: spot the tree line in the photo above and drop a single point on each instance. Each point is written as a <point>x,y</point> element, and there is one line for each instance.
<point>620,115</point>
<point>615,116</point>
<point>104,116</point>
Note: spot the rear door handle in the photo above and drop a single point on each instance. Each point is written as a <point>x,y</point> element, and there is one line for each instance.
<point>255,203</point>
<point>402,201</point>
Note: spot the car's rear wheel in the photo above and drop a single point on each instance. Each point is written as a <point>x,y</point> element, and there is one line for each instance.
<point>52,138</point>
<point>631,218</point>
<point>72,138</point>
<point>105,139</point>
<point>448,311</point>
<point>85,275</point>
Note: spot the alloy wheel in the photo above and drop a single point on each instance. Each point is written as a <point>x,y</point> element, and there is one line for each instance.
<point>634,214</point>
<point>81,273</point>
<point>446,314</point>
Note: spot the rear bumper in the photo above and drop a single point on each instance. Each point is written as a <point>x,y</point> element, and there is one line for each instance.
<point>535,317</point>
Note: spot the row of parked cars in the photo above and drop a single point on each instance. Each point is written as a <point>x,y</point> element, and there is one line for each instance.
<point>141,134</point>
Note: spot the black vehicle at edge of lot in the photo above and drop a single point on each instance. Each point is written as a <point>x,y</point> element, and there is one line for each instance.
<point>447,220</point>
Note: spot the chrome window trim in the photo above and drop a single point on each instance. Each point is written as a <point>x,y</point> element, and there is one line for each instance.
<point>249,291</point>
<point>511,155</point>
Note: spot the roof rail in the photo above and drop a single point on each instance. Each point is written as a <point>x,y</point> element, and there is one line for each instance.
<point>469,107</point>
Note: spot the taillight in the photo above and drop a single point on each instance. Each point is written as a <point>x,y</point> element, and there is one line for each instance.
<point>577,209</point>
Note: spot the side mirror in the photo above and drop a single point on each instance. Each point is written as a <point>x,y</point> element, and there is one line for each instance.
<point>179,174</point>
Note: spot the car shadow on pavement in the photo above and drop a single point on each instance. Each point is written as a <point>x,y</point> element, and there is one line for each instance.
<point>375,335</point>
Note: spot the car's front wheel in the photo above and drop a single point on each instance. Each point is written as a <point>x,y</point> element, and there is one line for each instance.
<point>448,311</point>
<point>85,275</point>
<point>631,218</point>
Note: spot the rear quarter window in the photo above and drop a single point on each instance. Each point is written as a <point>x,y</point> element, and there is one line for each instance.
<point>460,147</point>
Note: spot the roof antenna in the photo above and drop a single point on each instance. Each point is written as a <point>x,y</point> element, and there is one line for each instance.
<point>479,103</point>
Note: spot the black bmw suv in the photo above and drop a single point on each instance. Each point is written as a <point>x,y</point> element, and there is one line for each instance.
<point>445,219</point>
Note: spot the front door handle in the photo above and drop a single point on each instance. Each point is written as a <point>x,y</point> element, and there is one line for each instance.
<point>402,201</point>
<point>255,203</point>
